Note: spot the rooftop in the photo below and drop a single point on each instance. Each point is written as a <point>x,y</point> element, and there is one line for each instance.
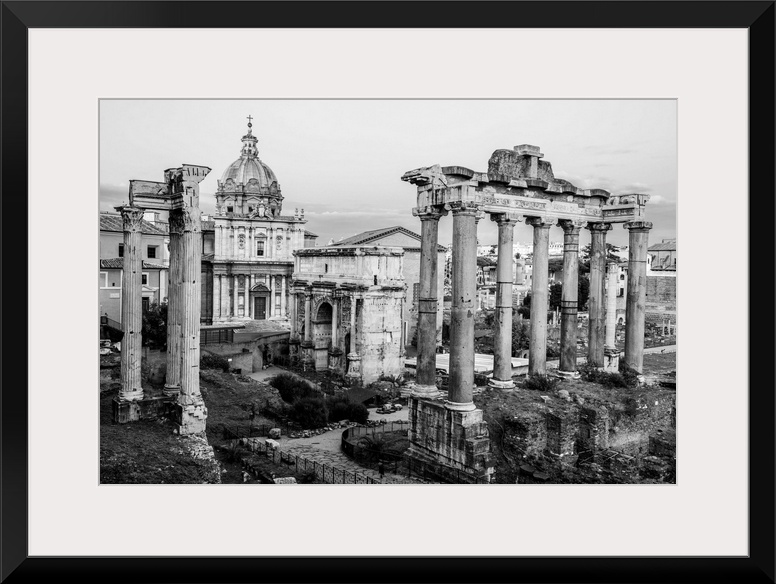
<point>113,222</point>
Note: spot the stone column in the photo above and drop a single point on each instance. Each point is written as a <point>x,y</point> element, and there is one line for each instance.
<point>283,296</point>
<point>172,384</point>
<point>131,305</point>
<point>272,295</point>
<point>293,316</point>
<point>308,360</point>
<point>596,322</point>
<point>192,412</point>
<point>354,359</point>
<point>335,310</point>
<point>235,249</point>
<point>537,349</point>
<point>235,294</point>
<point>502,335</point>
<point>217,296</point>
<point>425,380</point>
<point>569,300</point>
<point>612,274</point>
<point>464,281</point>
<point>637,293</point>
<point>225,296</point>
<point>248,303</point>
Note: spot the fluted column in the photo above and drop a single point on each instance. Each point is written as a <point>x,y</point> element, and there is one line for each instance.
<point>427,303</point>
<point>537,349</point>
<point>172,385</point>
<point>612,273</point>
<point>131,305</point>
<point>569,300</point>
<point>596,303</point>
<point>637,293</point>
<point>248,303</point>
<point>461,382</point>
<point>192,413</point>
<point>502,335</point>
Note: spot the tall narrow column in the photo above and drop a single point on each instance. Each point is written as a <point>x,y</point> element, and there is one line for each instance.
<point>217,295</point>
<point>637,293</point>
<point>354,359</point>
<point>172,384</point>
<point>248,303</point>
<point>427,303</point>
<point>502,335</point>
<point>225,296</point>
<point>131,305</point>
<point>596,306</point>
<point>308,325</point>
<point>192,408</point>
<point>461,382</point>
<point>272,295</point>
<point>335,303</point>
<point>236,294</point>
<point>612,284</point>
<point>283,296</point>
<point>537,349</point>
<point>293,316</point>
<point>569,303</point>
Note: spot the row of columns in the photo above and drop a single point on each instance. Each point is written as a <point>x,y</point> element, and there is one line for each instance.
<point>223,283</point>
<point>182,378</point>
<point>464,266</point>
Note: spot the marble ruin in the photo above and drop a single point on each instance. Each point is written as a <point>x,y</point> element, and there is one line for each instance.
<point>449,430</point>
<point>346,311</point>
<point>178,195</point>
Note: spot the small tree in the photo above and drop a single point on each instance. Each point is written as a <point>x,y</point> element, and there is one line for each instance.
<point>154,329</point>
<point>520,336</point>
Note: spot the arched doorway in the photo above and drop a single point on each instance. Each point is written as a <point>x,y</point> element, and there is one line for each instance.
<point>322,336</point>
<point>260,300</point>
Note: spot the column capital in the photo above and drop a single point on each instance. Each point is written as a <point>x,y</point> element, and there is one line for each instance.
<point>430,213</point>
<point>570,226</point>
<point>505,218</point>
<point>132,217</point>
<point>464,208</point>
<point>599,227</point>
<point>541,222</point>
<point>638,226</point>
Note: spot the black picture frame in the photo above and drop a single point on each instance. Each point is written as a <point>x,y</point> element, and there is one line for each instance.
<point>18,17</point>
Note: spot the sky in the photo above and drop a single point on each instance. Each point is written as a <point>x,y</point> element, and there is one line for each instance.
<point>342,160</point>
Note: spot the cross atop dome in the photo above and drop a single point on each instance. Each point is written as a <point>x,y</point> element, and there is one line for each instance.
<point>249,141</point>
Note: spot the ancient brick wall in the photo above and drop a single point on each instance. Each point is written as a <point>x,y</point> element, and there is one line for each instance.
<point>661,291</point>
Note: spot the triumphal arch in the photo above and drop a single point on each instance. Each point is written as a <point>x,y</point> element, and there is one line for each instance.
<point>518,185</point>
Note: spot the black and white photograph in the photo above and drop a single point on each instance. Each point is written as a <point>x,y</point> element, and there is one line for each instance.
<point>375,291</point>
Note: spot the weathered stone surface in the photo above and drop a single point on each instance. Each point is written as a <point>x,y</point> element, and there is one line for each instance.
<point>274,433</point>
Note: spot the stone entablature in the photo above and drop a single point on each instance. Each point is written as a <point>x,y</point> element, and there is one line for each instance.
<point>352,264</point>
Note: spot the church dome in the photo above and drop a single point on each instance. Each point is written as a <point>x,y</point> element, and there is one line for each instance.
<point>249,165</point>
<point>245,168</point>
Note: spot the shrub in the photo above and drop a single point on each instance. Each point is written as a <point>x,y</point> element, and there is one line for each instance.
<point>631,376</point>
<point>623,380</point>
<point>309,412</point>
<point>210,361</point>
<point>525,311</point>
<point>341,407</point>
<point>291,388</point>
<point>543,383</point>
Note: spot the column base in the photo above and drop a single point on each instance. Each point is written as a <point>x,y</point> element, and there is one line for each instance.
<point>152,408</point>
<point>424,391</point>
<point>190,415</point>
<point>171,390</point>
<point>611,361</point>
<point>460,406</point>
<point>134,395</point>
<point>568,374</point>
<point>499,384</point>
<point>448,446</point>
<point>354,366</point>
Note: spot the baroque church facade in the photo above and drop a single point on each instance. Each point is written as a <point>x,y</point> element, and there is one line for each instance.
<point>248,246</point>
